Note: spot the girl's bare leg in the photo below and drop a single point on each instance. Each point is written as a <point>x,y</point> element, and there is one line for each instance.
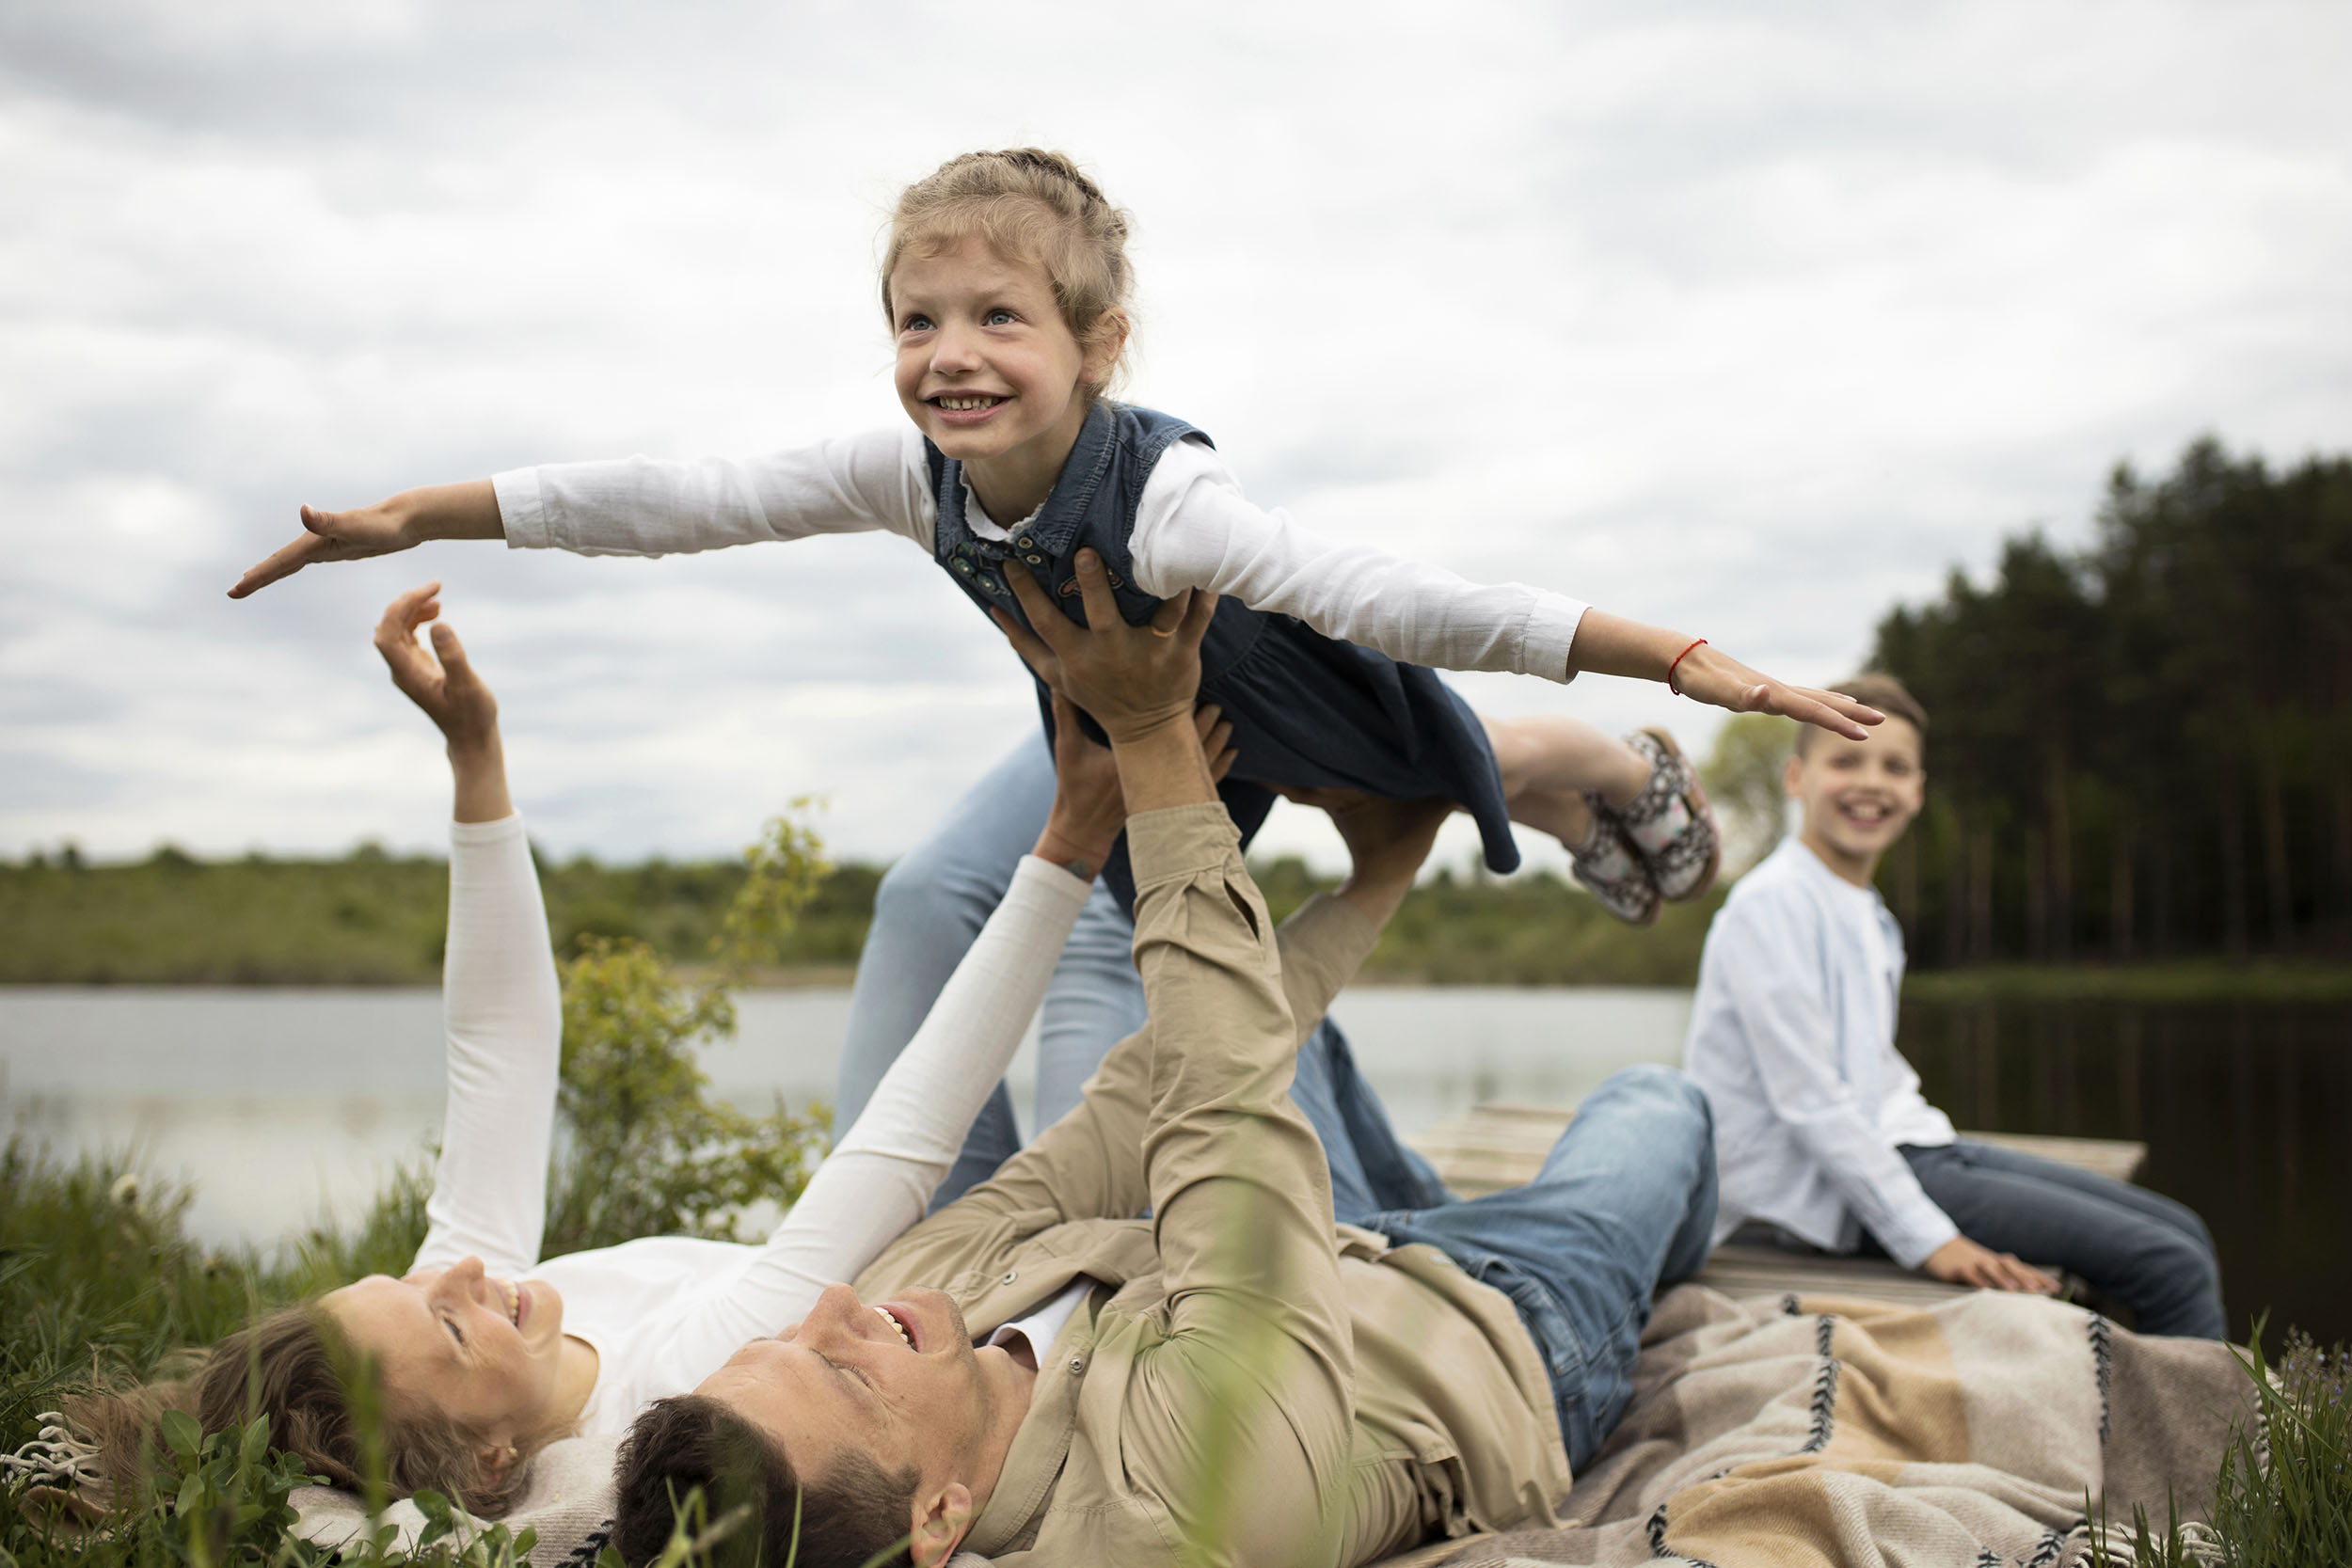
<point>1548,764</point>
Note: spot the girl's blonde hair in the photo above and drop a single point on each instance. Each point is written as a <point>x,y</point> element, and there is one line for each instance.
<point>1030,205</point>
<point>295,1366</point>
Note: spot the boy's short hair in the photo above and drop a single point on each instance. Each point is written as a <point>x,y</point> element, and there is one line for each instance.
<point>1879,690</point>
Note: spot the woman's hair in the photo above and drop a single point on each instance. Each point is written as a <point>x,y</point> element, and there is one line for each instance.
<point>1030,205</point>
<point>295,1366</point>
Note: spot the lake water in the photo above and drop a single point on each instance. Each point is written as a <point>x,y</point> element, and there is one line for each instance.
<point>282,1105</point>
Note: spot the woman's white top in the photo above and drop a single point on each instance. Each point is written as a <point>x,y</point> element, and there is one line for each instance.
<point>665,1313</point>
<point>1792,1037</point>
<point>1193,529</point>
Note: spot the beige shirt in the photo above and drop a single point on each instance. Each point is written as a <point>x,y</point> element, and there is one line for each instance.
<point>1250,1383</point>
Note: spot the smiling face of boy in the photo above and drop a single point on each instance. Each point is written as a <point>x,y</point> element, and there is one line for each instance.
<point>1857,796</point>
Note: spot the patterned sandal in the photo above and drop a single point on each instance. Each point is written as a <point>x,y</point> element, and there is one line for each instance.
<point>1670,824</point>
<point>1613,870</point>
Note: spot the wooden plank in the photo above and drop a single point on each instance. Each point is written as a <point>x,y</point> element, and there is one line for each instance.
<point>1502,1144</point>
<point>2114,1158</point>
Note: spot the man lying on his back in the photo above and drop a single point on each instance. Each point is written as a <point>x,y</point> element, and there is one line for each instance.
<point>1235,1378</point>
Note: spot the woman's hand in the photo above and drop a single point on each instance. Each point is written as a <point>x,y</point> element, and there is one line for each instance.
<point>1133,680</point>
<point>444,685</point>
<point>467,510</point>
<point>1090,809</point>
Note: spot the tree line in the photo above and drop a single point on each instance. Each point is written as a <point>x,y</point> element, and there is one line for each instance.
<point>2141,749</point>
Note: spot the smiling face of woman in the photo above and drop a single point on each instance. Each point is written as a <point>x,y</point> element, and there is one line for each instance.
<point>483,1352</point>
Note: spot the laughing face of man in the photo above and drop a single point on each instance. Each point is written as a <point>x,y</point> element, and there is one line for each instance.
<point>899,1382</point>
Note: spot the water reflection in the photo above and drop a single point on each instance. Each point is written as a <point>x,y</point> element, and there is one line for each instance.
<point>280,1104</point>
<point>2246,1110</point>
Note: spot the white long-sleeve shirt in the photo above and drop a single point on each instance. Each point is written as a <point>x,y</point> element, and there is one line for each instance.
<point>1792,1037</point>
<point>1193,529</point>
<point>665,1313</point>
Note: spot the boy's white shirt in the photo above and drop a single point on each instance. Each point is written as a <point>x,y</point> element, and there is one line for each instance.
<point>1792,1037</point>
<point>1193,529</point>
<point>665,1313</point>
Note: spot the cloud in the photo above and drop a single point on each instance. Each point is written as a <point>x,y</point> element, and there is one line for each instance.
<point>1750,322</point>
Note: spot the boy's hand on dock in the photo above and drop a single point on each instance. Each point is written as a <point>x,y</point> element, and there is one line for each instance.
<point>1961,1262</point>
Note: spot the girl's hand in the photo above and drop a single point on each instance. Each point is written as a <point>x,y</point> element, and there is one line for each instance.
<point>1707,676</point>
<point>467,510</point>
<point>1612,645</point>
<point>1134,680</point>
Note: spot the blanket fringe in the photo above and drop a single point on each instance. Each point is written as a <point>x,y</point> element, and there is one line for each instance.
<point>2115,1546</point>
<point>59,1457</point>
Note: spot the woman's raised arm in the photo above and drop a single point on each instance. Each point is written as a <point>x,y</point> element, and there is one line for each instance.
<point>500,1005</point>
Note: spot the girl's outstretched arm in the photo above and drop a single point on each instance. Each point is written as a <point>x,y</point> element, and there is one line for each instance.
<point>500,1005</point>
<point>1195,530</point>
<point>640,506</point>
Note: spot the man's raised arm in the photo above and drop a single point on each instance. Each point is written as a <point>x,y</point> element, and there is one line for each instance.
<point>1255,1377</point>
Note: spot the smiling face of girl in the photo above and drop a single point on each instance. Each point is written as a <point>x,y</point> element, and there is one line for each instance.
<point>485,1353</point>
<point>990,370</point>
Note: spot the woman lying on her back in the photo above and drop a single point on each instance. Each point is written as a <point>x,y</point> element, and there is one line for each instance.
<point>483,1352</point>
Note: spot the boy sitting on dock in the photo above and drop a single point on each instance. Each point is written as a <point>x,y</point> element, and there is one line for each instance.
<point>1822,1133</point>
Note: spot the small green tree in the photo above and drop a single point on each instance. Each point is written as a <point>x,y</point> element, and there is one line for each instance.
<point>641,1148</point>
<point>1743,783</point>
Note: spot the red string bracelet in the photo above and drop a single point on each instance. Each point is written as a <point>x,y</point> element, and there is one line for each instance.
<point>1678,664</point>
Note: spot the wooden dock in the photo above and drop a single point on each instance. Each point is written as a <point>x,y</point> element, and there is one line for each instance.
<point>1502,1143</point>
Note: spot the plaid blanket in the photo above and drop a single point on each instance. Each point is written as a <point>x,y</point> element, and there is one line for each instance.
<point>1850,1433</point>
<point>1789,1432</point>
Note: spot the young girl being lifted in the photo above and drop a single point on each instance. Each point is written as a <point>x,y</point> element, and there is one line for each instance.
<point>1005,283</point>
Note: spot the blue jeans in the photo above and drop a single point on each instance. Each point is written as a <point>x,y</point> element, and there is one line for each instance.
<point>1624,1206</point>
<point>930,909</point>
<point>2149,1253</point>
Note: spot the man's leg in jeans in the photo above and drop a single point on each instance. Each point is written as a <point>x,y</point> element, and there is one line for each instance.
<point>2140,1247</point>
<point>927,913</point>
<point>1624,1206</point>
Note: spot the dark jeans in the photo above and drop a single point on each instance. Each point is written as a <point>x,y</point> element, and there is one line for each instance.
<point>2143,1248</point>
<point>1623,1205</point>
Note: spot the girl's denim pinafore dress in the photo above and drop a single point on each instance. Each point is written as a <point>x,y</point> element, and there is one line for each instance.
<point>1307,711</point>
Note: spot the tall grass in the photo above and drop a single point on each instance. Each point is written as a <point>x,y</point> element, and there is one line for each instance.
<point>2283,1499</point>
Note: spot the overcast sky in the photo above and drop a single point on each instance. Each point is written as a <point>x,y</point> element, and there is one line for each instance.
<point>1752,320</point>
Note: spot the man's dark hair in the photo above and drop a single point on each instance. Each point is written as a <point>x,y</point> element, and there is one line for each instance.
<point>847,1517</point>
<point>1878,689</point>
